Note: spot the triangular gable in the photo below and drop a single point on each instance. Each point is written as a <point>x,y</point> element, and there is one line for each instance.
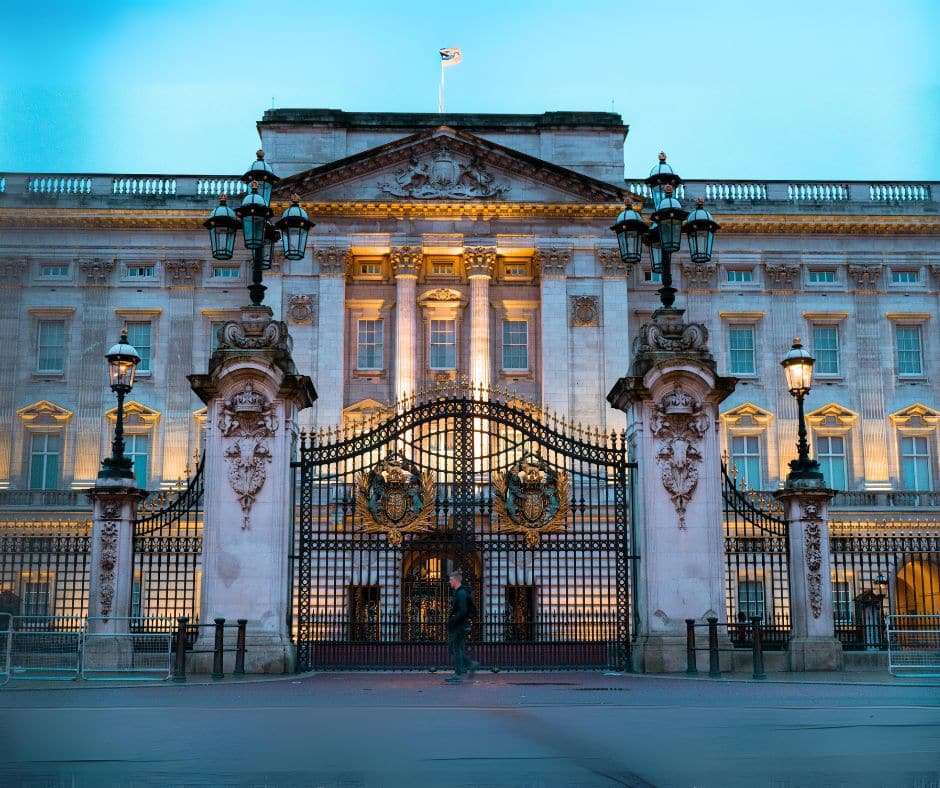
<point>445,164</point>
<point>366,410</point>
<point>745,415</point>
<point>832,416</point>
<point>135,414</point>
<point>44,412</point>
<point>916,416</point>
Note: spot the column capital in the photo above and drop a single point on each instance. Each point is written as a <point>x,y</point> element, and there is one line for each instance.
<point>406,260</point>
<point>480,261</point>
<point>552,261</point>
<point>611,263</point>
<point>334,260</point>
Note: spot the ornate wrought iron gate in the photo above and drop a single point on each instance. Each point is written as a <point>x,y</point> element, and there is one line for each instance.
<point>533,512</point>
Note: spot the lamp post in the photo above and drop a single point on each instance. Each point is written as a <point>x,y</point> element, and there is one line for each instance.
<point>260,234</point>
<point>122,364</point>
<point>798,368</point>
<point>664,236</point>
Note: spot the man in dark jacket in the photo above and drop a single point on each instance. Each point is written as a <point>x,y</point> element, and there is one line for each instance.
<point>462,610</point>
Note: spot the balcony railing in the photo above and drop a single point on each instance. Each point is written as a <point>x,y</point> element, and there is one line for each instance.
<point>887,499</point>
<point>44,499</point>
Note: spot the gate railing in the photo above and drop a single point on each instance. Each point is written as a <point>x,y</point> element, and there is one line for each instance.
<point>757,564</point>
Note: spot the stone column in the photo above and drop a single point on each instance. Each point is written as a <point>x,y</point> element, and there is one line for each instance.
<point>671,399</point>
<point>331,335</point>
<point>554,306</point>
<point>480,261</point>
<point>252,394</point>
<point>406,260</point>
<point>615,322</point>
<point>813,644</point>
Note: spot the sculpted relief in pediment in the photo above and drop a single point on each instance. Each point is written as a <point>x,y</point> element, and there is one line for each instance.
<point>442,175</point>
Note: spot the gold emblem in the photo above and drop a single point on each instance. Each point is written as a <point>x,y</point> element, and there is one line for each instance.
<point>531,498</point>
<point>395,498</point>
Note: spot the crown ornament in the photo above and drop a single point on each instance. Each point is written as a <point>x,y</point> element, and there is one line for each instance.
<point>248,400</point>
<point>677,401</point>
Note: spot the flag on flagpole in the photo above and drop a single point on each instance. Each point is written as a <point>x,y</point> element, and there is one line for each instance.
<point>450,56</point>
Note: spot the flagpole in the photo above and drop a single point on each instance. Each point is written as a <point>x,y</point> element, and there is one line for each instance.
<point>440,92</point>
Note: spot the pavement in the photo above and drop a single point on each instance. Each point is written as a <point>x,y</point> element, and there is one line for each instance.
<point>508,729</point>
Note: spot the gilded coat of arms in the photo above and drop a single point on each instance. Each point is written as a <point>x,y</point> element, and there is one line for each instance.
<point>531,498</point>
<point>395,498</point>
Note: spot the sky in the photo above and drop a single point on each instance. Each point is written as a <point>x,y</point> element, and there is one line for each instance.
<point>829,89</point>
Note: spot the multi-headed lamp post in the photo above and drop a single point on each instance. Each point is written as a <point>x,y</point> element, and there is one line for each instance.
<point>253,216</point>
<point>664,236</point>
<point>798,368</point>
<point>122,364</point>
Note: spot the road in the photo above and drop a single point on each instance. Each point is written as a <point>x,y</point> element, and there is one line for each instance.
<point>519,730</point>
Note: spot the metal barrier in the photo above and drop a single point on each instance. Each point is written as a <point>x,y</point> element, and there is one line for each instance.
<point>6,628</point>
<point>135,648</point>
<point>913,645</point>
<point>46,647</point>
<point>754,630</point>
<point>183,641</point>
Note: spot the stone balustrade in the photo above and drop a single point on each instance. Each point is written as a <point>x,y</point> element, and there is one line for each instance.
<point>44,499</point>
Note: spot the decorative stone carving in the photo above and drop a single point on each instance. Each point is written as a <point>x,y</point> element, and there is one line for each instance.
<point>183,272</point>
<point>395,498</point>
<point>301,308</point>
<point>97,270</point>
<point>583,311</point>
<point>781,275</point>
<point>552,261</point>
<point>935,271</point>
<point>406,260</point>
<point>480,260</point>
<point>443,176</point>
<point>610,262</point>
<point>531,498</point>
<point>679,423</point>
<point>111,510</point>
<point>246,421</point>
<point>813,547</point>
<point>699,276</point>
<point>334,261</point>
<point>13,269</point>
<point>442,294</point>
<point>107,561</point>
<point>660,336</point>
<point>866,277</point>
<point>254,331</point>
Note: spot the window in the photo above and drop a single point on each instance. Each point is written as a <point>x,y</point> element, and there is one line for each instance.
<point>741,346</point>
<point>904,277</point>
<point>138,335</point>
<point>44,461</point>
<point>140,271</point>
<point>827,276</point>
<point>910,351</point>
<point>830,453</point>
<point>842,607</point>
<point>370,268</point>
<point>649,276</point>
<point>515,345</point>
<point>137,597</point>
<point>442,267</point>
<point>740,275</point>
<point>443,344</point>
<point>826,349</point>
<point>751,599</point>
<point>225,272</point>
<point>515,268</point>
<point>214,327</point>
<point>745,458</point>
<point>53,270</point>
<point>135,447</point>
<point>35,598</point>
<point>51,346</point>
<point>370,353</point>
<point>915,463</point>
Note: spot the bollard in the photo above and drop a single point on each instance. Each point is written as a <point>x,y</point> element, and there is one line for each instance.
<point>714,667</point>
<point>240,648</point>
<point>179,671</point>
<point>691,668</point>
<point>217,652</point>
<point>758,649</point>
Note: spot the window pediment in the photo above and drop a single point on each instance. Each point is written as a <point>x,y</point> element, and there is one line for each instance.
<point>135,415</point>
<point>832,417</point>
<point>746,416</point>
<point>916,418</point>
<point>366,410</point>
<point>44,414</point>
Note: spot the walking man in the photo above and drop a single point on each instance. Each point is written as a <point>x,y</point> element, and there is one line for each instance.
<point>462,609</point>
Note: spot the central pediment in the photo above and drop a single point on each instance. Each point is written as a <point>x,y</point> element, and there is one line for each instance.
<point>445,164</point>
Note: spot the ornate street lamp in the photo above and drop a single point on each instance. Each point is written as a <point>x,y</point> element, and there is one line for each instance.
<point>260,234</point>
<point>664,236</point>
<point>798,368</point>
<point>122,364</point>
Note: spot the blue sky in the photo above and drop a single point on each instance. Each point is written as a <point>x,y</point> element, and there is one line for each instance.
<point>795,90</point>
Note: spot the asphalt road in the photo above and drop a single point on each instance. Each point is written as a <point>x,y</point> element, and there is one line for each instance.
<point>520,730</point>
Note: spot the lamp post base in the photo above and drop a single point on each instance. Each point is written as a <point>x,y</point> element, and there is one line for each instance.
<point>117,468</point>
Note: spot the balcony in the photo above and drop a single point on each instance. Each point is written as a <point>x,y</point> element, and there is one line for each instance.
<point>44,500</point>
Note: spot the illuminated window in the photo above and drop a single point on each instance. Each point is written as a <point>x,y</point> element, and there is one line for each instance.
<point>138,335</point>
<point>51,357</point>
<point>910,353</point>
<point>751,599</point>
<point>842,605</point>
<point>741,348</point>
<point>515,268</point>
<point>746,459</point>
<point>442,267</point>
<point>515,345</point>
<point>443,344</point>
<point>370,353</point>
<point>35,598</point>
<point>830,453</point>
<point>826,349</point>
<point>44,461</point>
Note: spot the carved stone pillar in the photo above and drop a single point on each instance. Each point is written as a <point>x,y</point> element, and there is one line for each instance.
<point>813,645</point>
<point>331,334</point>
<point>553,263</point>
<point>671,400</point>
<point>252,395</point>
<point>480,261</point>
<point>406,261</point>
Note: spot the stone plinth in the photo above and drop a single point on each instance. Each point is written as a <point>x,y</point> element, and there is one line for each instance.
<point>671,400</point>
<point>252,394</point>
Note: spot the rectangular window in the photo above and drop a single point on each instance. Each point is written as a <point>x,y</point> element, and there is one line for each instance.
<point>822,277</point>
<point>214,327</point>
<point>826,349</point>
<point>515,269</point>
<point>135,447</point>
<point>137,597</point>
<point>370,268</point>
<point>141,271</point>
<point>370,354</point>
<point>225,272</point>
<point>649,276</point>
<point>51,356</point>
<point>35,598</point>
<point>910,350</point>
<point>915,463</point>
<point>741,346</point>
<point>751,599</point>
<point>904,277</point>
<point>442,267</point>
<point>740,275</point>
<point>745,457</point>
<point>44,461</point>
<point>443,344</point>
<point>138,335</point>
<point>54,270</point>
<point>842,607</point>
<point>830,453</point>
<point>515,344</point>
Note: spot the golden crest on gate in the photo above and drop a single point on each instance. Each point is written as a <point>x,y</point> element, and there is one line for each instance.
<point>395,498</point>
<point>531,498</point>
